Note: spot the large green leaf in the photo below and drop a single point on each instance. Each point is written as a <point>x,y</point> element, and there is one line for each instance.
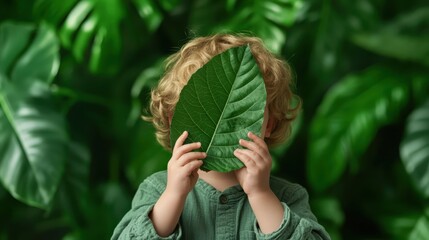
<point>415,148</point>
<point>32,147</point>
<point>32,131</point>
<point>348,119</point>
<point>400,38</point>
<point>222,102</point>
<point>87,27</point>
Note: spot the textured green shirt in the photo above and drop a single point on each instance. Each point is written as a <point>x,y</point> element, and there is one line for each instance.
<point>211,214</point>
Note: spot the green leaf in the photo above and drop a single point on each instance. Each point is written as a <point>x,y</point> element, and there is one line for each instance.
<point>330,214</point>
<point>147,79</point>
<point>87,27</point>
<point>400,38</point>
<point>150,13</point>
<point>348,119</point>
<point>263,18</point>
<point>32,131</point>
<point>146,154</point>
<point>415,148</point>
<point>222,102</point>
<point>421,229</point>
<point>25,57</point>
<point>32,147</point>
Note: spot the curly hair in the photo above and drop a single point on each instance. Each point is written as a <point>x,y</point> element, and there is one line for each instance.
<point>180,66</point>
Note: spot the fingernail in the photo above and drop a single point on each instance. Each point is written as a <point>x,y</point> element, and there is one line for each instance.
<point>199,144</point>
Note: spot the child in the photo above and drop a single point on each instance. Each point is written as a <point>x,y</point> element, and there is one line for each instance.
<point>187,203</point>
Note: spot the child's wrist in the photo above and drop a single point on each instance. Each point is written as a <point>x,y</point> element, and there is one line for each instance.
<point>174,194</point>
<point>261,195</point>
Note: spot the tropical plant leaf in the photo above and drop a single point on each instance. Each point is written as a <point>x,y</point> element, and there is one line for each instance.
<point>146,80</point>
<point>32,131</point>
<point>87,27</point>
<point>348,119</point>
<point>415,148</point>
<point>24,57</point>
<point>150,12</point>
<point>154,157</point>
<point>400,38</point>
<point>32,147</point>
<point>263,18</point>
<point>222,102</point>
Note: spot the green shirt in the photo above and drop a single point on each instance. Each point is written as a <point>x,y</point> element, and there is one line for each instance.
<point>211,214</point>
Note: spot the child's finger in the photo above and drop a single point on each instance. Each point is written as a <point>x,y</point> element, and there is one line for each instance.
<point>249,145</point>
<point>245,157</point>
<point>192,166</point>
<point>190,156</point>
<point>259,141</point>
<point>180,140</point>
<point>186,148</point>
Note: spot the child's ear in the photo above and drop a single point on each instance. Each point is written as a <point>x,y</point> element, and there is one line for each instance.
<point>270,126</point>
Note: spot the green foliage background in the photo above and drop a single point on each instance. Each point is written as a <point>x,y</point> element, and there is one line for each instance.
<point>76,74</point>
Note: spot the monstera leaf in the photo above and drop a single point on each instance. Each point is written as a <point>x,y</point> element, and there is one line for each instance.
<point>265,18</point>
<point>32,131</point>
<point>415,148</point>
<point>88,28</point>
<point>222,102</point>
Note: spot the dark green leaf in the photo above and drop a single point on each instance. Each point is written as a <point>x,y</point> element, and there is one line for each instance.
<point>150,13</point>
<point>348,119</point>
<point>222,102</point>
<point>147,79</point>
<point>329,214</point>
<point>415,148</point>
<point>87,27</point>
<point>263,18</point>
<point>146,154</point>
<point>25,58</point>
<point>400,38</point>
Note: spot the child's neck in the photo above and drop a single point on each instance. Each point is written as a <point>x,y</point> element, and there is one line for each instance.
<point>219,180</point>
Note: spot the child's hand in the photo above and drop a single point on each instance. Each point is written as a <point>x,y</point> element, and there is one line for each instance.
<point>255,176</point>
<point>183,166</point>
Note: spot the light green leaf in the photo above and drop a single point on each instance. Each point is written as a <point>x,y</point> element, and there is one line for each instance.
<point>348,119</point>
<point>87,26</point>
<point>415,148</point>
<point>222,102</point>
<point>32,131</point>
<point>32,147</point>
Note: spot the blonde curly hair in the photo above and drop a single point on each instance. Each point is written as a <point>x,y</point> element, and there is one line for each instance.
<point>197,52</point>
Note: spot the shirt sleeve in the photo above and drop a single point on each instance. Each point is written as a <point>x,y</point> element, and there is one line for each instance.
<point>136,223</point>
<point>298,221</point>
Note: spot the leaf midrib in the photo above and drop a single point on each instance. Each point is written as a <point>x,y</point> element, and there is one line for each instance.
<point>227,101</point>
<point>4,104</point>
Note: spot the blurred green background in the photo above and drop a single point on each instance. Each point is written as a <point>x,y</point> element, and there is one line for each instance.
<point>75,76</point>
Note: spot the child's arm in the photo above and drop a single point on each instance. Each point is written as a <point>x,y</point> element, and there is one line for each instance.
<point>182,177</point>
<point>254,179</point>
<point>276,219</point>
